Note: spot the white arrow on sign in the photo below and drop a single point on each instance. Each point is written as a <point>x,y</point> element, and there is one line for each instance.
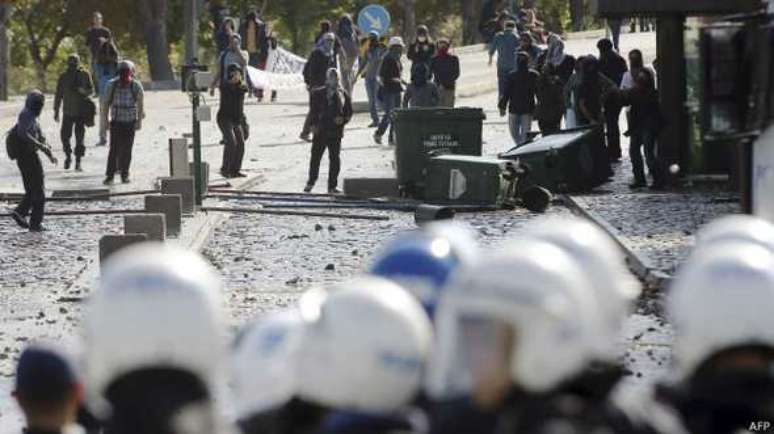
<point>376,23</point>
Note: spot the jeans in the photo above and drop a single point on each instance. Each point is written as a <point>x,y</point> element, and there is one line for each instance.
<point>79,125</point>
<point>612,118</point>
<point>103,118</point>
<point>390,101</point>
<point>234,148</point>
<point>520,126</point>
<point>121,143</point>
<point>319,145</point>
<point>644,138</point>
<point>447,97</point>
<point>34,191</point>
<point>308,121</point>
<point>502,79</point>
<point>372,89</point>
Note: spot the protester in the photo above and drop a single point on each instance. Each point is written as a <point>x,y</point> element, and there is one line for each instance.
<point>550,100</point>
<point>571,94</point>
<point>646,122</point>
<point>390,74</point>
<point>562,63</point>
<point>271,66</point>
<point>422,50</point>
<point>95,36</point>
<point>74,89</point>
<point>232,121</point>
<point>593,89</point>
<point>338,52</point>
<point>107,68</point>
<point>125,98</point>
<point>346,33</point>
<point>255,41</point>
<point>636,65</point>
<point>153,342</point>
<point>224,34</point>
<point>519,99</point>
<point>28,139</point>
<point>527,45</point>
<point>322,59</point>
<point>218,12</point>
<point>612,66</point>
<point>232,56</point>
<point>506,44</point>
<point>369,68</point>
<point>421,92</point>
<point>331,110</point>
<point>615,31</point>
<point>47,389</point>
<point>445,68</point>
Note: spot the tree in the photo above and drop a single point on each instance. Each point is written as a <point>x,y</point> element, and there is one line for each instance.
<point>576,15</point>
<point>5,47</point>
<point>153,20</point>
<point>470,19</point>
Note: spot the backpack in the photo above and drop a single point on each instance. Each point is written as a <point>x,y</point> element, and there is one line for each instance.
<point>13,143</point>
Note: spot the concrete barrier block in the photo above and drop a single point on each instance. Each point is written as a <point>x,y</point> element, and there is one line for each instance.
<point>110,244</point>
<point>178,158</point>
<point>205,174</point>
<point>371,187</point>
<point>171,206</point>
<point>101,193</point>
<point>182,186</point>
<point>152,224</point>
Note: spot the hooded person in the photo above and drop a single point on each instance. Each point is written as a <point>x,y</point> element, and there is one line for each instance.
<point>232,122</point>
<point>315,74</point>
<point>223,35</point>
<point>347,36</point>
<point>24,141</point>
<point>550,100</point>
<point>125,99</point>
<point>421,92</point>
<point>519,99</point>
<point>369,69</point>
<point>563,64</point>
<point>390,76</point>
<point>506,45</point>
<point>445,68</point>
<point>422,50</point>
<point>153,339</point>
<point>74,89</point>
<point>331,110</point>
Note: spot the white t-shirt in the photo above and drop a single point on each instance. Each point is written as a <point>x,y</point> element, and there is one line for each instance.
<point>627,82</point>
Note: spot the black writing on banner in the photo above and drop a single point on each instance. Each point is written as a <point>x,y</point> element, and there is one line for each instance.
<point>440,141</point>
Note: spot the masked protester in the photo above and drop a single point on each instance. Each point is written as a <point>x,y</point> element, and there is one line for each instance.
<point>445,68</point>
<point>550,100</point>
<point>331,111</point>
<point>255,40</point>
<point>74,89</point>
<point>506,45</point>
<point>125,98</point>
<point>720,304</point>
<point>27,139</point>
<point>347,36</point>
<point>390,74</point>
<point>315,73</point>
<point>519,99</point>
<point>421,92</point>
<point>223,36</point>
<point>423,49</point>
<point>234,55</point>
<point>369,69</point>
<point>232,122</point>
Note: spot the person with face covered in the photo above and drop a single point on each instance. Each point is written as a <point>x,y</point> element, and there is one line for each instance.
<point>315,73</point>
<point>331,110</point>
<point>73,88</point>
<point>421,92</point>
<point>125,98</point>
<point>347,36</point>
<point>390,74</point>
<point>445,68</point>
<point>29,140</point>
<point>422,49</point>
<point>369,68</point>
<point>231,120</point>
<point>519,98</point>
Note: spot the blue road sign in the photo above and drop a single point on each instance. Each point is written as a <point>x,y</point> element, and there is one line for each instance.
<point>374,18</point>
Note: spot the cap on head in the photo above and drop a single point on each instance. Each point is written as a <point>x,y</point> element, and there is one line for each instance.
<point>396,41</point>
<point>44,374</point>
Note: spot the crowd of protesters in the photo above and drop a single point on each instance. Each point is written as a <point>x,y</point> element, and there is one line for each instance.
<point>436,335</point>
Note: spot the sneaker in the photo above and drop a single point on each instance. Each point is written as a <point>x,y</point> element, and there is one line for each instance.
<point>125,179</point>
<point>636,185</point>
<point>334,190</point>
<point>38,228</point>
<point>20,220</point>
<point>377,139</point>
<point>308,188</point>
<point>78,166</point>
<point>67,163</point>
<point>305,137</point>
<point>225,174</point>
<point>108,180</point>
<point>239,175</point>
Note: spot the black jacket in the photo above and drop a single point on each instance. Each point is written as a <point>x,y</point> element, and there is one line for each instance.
<point>390,70</point>
<point>316,68</point>
<point>419,52</point>
<point>520,90</point>
<point>446,70</point>
<point>613,66</point>
<point>325,110</point>
<point>232,102</point>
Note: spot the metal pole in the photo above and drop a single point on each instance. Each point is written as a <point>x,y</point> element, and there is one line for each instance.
<point>191,23</point>
<point>197,148</point>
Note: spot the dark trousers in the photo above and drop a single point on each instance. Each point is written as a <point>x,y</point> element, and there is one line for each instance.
<point>70,123</point>
<point>390,102</point>
<point>234,148</point>
<point>613,131</point>
<point>644,138</point>
<point>549,126</point>
<point>319,145</point>
<point>308,121</point>
<point>121,143</point>
<point>34,194</point>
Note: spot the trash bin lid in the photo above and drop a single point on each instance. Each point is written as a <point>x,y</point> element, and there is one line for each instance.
<point>429,113</point>
<point>554,141</point>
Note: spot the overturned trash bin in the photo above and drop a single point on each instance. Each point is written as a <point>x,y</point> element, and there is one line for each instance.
<point>421,133</point>
<point>462,179</point>
<point>570,161</point>
<point>431,213</point>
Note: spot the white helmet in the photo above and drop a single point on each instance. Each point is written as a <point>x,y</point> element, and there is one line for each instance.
<point>156,306</point>
<point>396,41</point>
<point>722,297</point>
<point>737,227</point>
<point>540,294</point>
<point>460,236</point>
<point>613,288</point>
<point>264,363</point>
<point>366,350</point>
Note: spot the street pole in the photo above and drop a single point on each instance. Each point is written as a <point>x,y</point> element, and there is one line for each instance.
<point>191,12</point>
<point>5,50</point>
<point>197,148</point>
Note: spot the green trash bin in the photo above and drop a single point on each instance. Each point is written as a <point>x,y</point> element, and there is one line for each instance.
<point>470,180</point>
<point>421,133</point>
<point>571,161</point>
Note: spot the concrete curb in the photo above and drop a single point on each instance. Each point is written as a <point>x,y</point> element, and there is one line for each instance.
<point>640,264</point>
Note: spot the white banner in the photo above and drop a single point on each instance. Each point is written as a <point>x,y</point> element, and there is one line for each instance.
<point>284,70</point>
